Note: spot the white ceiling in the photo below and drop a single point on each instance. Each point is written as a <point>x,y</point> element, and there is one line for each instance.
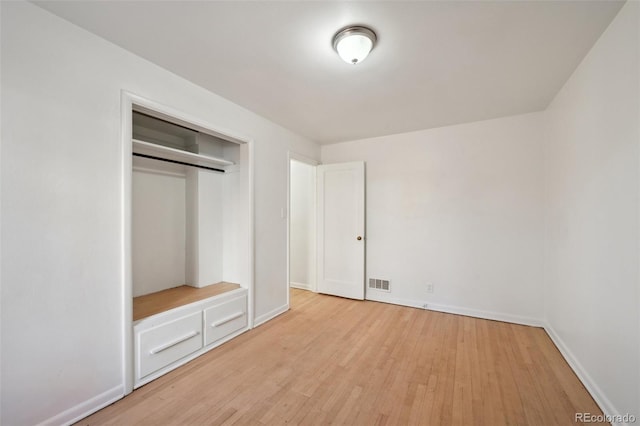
<point>436,63</point>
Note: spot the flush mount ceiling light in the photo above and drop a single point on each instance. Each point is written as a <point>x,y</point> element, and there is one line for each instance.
<point>353,44</point>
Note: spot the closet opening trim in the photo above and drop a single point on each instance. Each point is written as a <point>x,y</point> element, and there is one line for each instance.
<point>152,157</point>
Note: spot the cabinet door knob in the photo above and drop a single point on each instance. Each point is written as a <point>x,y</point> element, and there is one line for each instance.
<point>359,238</point>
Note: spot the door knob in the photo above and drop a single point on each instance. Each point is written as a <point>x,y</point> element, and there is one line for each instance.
<point>359,238</point>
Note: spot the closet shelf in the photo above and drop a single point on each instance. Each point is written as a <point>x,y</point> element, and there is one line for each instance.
<point>146,148</point>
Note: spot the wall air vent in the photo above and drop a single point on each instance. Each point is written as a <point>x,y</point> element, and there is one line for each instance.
<point>378,284</point>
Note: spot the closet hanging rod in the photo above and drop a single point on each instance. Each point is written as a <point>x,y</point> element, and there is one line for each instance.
<point>177,162</point>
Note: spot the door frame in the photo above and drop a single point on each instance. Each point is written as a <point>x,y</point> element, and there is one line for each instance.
<point>128,102</point>
<point>291,155</point>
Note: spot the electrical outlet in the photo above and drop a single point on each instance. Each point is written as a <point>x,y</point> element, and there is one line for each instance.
<point>429,288</point>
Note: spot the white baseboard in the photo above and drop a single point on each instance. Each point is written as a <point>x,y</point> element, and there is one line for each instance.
<point>384,298</point>
<point>270,315</point>
<point>301,286</point>
<point>86,408</point>
<point>599,397</point>
<point>490,315</point>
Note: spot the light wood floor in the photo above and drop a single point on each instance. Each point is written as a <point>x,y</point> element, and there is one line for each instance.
<point>332,360</point>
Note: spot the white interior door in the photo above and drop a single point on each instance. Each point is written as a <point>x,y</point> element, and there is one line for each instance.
<point>340,238</point>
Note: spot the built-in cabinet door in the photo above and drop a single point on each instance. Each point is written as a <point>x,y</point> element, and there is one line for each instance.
<point>341,227</point>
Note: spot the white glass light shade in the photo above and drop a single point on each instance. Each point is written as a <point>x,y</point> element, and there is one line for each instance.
<point>353,44</point>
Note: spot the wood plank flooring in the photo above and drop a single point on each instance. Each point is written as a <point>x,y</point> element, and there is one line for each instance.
<point>336,361</point>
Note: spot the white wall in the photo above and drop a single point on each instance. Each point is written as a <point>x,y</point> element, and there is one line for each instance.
<point>459,207</point>
<point>592,221</point>
<point>301,224</point>
<point>157,232</point>
<point>62,284</point>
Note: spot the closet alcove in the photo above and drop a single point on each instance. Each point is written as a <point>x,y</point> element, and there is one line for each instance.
<point>189,241</point>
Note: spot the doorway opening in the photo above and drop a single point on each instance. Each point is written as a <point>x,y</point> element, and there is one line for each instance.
<point>326,224</point>
<point>302,223</point>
